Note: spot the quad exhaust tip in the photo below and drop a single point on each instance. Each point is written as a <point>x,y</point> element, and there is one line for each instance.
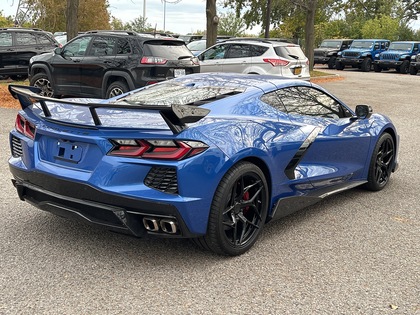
<point>156,225</point>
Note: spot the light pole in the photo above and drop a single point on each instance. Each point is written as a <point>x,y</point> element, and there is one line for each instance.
<point>164,11</point>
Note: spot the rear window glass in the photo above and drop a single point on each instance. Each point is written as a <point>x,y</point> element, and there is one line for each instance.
<point>290,52</point>
<point>167,49</point>
<point>170,93</point>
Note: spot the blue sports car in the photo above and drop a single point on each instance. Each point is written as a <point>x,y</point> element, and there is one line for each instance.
<point>211,157</point>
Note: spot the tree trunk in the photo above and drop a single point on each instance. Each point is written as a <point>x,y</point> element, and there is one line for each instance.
<point>212,21</point>
<point>310,32</point>
<point>72,25</point>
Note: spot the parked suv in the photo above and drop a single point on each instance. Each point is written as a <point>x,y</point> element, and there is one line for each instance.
<point>397,57</point>
<point>361,54</point>
<point>326,53</point>
<point>415,64</point>
<point>18,45</point>
<point>104,64</point>
<point>257,56</point>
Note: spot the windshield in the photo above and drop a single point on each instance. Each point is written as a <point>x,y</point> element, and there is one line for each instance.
<point>330,44</point>
<point>362,44</point>
<point>172,93</point>
<point>401,46</point>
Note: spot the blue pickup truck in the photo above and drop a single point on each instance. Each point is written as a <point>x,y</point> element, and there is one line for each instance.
<point>397,57</point>
<point>361,54</point>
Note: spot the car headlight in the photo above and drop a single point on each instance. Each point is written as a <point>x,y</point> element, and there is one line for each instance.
<point>413,57</point>
<point>377,56</point>
<point>339,53</point>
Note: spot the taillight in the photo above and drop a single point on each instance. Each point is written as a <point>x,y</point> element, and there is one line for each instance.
<point>150,60</point>
<point>276,62</point>
<point>25,127</point>
<point>157,149</point>
<point>195,61</point>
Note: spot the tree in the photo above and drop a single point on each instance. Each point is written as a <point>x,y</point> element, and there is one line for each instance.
<point>51,14</point>
<point>231,25</point>
<point>212,21</point>
<point>72,21</point>
<point>5,21</point>
<point>138,25</point>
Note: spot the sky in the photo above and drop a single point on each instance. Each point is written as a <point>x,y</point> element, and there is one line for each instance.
<point>177,16</point>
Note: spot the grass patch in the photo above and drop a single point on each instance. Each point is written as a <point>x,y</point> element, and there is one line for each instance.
<point>317,73</point>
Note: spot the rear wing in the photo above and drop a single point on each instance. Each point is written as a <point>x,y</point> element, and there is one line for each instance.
<point>176,116</point>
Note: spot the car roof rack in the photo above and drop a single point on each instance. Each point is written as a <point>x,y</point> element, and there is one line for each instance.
<point>112,32</point>
<point>21,28</point>
<point>263,40</point>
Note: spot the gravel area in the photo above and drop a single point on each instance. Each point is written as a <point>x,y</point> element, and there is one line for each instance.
<point>356,252</point>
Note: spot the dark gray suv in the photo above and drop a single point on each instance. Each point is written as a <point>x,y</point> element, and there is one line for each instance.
<point>103,64</point>
<point>18,45</point>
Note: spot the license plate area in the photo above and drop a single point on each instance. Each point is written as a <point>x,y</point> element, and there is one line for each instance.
<point>297,70</point>
<point>74,154</point>
<point>179,72</point>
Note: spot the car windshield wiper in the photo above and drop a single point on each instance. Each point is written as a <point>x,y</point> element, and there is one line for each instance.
<point>184,57</point>
<point>294,56</point>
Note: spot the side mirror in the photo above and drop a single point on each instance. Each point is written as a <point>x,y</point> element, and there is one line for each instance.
<point>362,112</point>
<point>58,51</point>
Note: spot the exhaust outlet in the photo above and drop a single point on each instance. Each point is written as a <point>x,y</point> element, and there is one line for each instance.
<point>168,226</point>
<point>151,224</point>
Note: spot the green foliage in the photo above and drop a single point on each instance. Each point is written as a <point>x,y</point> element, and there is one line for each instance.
<point>138,25</point>
<point>383,27</point>
<point>231,25</point>
<point>5,21</point>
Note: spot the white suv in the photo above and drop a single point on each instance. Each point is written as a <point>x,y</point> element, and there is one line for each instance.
<point>257,56</point>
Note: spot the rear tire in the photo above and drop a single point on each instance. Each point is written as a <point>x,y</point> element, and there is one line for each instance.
<point>238,212</point>
<point>381,163</point>
<point>41,80</point>
<point>116,88</point>
<point>413,70</point>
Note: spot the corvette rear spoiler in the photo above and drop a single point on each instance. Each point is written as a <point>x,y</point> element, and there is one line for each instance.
<point>176,116</point>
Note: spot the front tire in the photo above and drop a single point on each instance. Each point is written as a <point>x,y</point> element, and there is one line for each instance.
<point>41,81</point>
<point>366,65</point>
<point>339,65</point>
<point>413,70</point>
<point>381,163</point>
<point>238,211</point>
<point>404,67</point>
<point>331,63</point>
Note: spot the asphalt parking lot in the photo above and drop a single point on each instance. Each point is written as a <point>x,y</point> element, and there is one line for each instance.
<point>354,253</point>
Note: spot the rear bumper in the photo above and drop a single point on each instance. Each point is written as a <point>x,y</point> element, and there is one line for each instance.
<point>115,212</point>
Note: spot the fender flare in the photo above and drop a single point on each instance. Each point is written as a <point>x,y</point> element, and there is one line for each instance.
<point>44,68</point>
<point>116,73</point>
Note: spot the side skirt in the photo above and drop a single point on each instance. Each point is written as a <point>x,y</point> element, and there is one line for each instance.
<point>288,205</point>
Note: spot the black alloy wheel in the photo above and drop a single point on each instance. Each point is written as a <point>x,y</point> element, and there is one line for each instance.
<point>41,81</point>
<point>238,212</point>
<point>381,163</point>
